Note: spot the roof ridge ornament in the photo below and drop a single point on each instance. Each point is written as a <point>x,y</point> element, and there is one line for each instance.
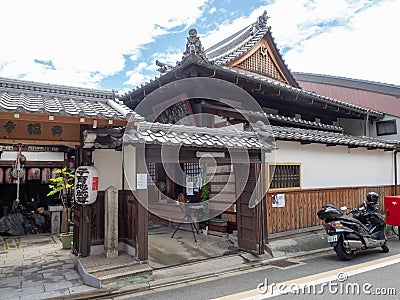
<point>262,21</point>
<point>193,45</point>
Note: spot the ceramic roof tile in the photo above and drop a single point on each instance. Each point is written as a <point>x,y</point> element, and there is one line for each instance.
<point>291,133</point>
<point>200,136</point>
<point>39,98</point>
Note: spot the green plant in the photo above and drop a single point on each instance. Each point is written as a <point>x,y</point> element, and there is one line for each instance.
<point>63,184</point>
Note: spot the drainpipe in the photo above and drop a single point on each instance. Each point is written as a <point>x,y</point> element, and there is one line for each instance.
<point>366,129</point>
<point>395,168</point>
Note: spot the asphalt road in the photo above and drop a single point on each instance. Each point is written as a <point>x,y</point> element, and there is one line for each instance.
<point>368,275</point>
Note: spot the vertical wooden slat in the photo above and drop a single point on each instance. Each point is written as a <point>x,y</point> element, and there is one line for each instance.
<point>302,206</point>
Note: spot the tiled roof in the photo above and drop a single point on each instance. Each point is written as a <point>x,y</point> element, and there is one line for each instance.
<point>238,43</point>
<point>38,98</point>
<point>299,91</point>
<point>329,138</point>
<point>191,136</point>
<point>148,87</point>
<point>279,118</point>
<point>262,137</point>
<point>301,122</point>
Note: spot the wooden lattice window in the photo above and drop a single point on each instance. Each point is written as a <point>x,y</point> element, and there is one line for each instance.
<point>192,169</point>
<point>151,170</point>
<point>261,62</point>
<point>284,176</point>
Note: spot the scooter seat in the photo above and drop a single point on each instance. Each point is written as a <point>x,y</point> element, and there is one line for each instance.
<point>350,219</point>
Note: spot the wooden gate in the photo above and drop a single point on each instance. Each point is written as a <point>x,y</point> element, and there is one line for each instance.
<point>250,221</point>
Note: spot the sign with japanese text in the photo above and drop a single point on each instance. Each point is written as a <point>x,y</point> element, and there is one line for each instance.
<point>22,129</point>
<point>86,184</point>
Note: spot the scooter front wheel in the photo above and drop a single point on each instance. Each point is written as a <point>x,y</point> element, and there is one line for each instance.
<point>385,248</point>
<point>342,252</point>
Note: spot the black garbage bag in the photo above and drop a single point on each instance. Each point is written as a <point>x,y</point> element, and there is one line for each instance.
<point>12,224</point>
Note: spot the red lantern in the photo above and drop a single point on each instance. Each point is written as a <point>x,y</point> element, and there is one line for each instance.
<point>9,178</point>
<point>46,175</point>
<point>54,174</point>
<point>34,174</point>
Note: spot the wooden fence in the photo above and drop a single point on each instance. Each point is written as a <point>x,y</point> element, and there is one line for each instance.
<point>301,206</point>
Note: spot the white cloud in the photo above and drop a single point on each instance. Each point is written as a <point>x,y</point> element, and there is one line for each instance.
<point>347,38</point>
<point>367,48</point>
<point>137,76</point>
<point>83,38</point>
<point>87,41</point>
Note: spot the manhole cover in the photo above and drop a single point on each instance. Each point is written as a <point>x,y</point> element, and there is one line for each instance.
<point>283,264</point>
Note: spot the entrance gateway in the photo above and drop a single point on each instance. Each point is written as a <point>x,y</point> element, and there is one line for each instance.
<point>171,164</point>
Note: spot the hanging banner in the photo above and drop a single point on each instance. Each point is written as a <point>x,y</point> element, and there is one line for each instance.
<point>1,175</point>
<point>86,184</point>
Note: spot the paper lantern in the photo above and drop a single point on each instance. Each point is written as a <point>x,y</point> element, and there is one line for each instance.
<point>46,175</point>
<point>10,179</point>
<point>34,174</point>
<point>54,174</point>
<point>86,184</point>
<point>8,176</point>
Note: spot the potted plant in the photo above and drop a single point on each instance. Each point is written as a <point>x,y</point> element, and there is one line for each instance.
<point>63,185</point>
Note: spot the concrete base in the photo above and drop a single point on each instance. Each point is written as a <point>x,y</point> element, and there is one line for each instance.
<point>99,271</point>
<point>298,243</point>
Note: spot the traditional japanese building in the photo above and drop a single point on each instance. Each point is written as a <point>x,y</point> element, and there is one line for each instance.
<point>316,160</point>
<point>44,127</point>
<point>228,132</point>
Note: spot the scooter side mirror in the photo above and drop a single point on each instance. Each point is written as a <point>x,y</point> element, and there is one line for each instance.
<point>343,208</point>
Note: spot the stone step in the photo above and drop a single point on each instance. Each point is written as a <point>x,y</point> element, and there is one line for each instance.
<point>98,263</point>
<point>98,271</point>
<point>125,275</point>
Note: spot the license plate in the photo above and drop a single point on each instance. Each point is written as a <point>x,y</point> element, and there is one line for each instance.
<point>332,238</point>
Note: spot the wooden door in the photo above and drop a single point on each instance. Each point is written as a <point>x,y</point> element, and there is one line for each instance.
<point>250,221</point>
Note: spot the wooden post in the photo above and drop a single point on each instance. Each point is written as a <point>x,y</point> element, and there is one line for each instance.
<point>85,230</point>
<point>142,198</point>
<point>111,222</point>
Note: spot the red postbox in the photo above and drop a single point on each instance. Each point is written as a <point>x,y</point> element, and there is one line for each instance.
<point>392,210</point>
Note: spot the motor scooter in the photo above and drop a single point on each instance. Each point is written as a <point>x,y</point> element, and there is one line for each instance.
<point>348,234</point>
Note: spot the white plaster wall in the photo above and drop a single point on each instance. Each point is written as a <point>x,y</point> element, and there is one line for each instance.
<point>337,166</point>
<point>109,164</point>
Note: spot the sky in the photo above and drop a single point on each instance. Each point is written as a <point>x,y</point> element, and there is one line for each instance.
<point>114,44</point>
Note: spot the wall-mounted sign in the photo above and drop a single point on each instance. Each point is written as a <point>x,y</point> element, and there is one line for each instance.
<point>141,181</point>
<point>86,184</point>
<point>210,154</point>
<point>39,130</point>
<point>278,200</point>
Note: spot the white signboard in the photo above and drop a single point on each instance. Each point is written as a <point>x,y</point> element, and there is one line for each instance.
<point>278,200</point>
<point>189,188</point>
<point>141,181</point>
